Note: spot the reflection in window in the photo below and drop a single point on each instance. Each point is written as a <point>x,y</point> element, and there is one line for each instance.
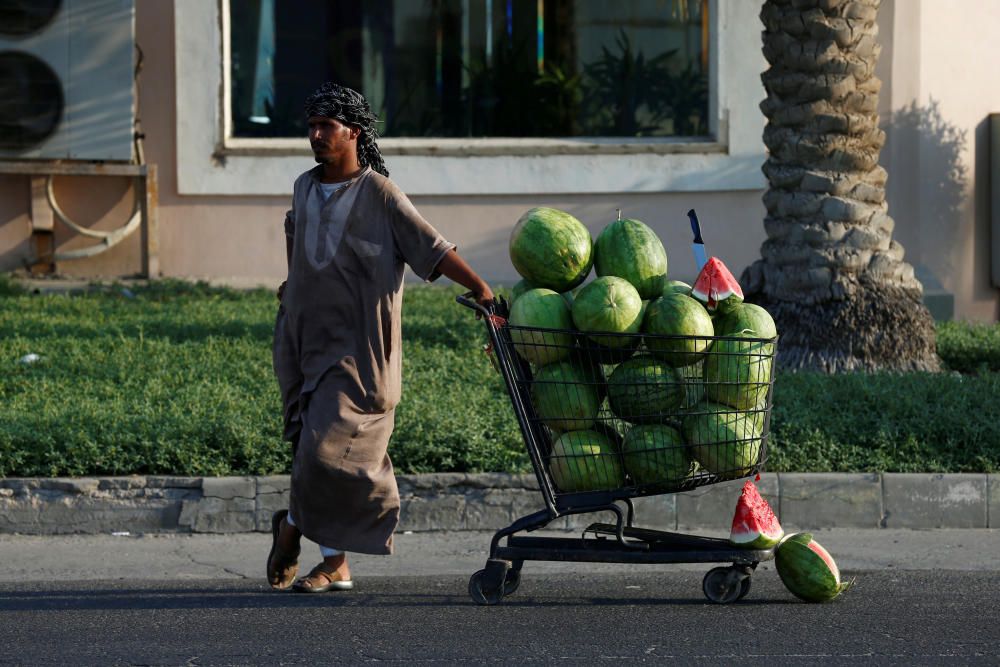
<point>477,68</point>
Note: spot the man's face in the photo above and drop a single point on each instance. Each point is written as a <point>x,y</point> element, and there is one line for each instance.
<point>330,138</point>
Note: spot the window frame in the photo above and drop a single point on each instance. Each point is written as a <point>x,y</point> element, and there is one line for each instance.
<point>211,161</point>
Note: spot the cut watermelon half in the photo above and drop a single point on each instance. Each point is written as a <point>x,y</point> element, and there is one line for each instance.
<point>716,287</point>
<point>754,525</point>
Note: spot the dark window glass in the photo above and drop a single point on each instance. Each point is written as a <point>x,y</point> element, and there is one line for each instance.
<point>477,68</point>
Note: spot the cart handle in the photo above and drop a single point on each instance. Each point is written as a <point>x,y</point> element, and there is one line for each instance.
<point>467,301</point>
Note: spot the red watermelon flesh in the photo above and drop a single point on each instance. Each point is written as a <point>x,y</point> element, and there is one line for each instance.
<point>754,525</point>
<point>716,287</point>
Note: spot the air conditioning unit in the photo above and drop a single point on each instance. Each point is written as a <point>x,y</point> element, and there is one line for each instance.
<point>67,79</point>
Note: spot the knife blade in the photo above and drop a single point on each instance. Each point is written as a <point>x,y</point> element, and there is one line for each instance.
<point>698,246</point>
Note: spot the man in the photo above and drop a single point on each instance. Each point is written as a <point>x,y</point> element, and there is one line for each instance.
<point>337,347</point>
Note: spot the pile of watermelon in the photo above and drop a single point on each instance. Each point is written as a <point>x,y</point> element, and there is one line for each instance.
<point>641,381</point>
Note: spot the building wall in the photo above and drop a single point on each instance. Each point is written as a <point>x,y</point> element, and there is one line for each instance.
<point>929,55</point>
<point>940,83</point>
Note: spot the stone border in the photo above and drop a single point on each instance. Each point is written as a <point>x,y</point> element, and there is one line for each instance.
<point>490,501</point>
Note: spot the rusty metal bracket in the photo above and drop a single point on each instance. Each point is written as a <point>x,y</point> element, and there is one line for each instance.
<point>44,210</point>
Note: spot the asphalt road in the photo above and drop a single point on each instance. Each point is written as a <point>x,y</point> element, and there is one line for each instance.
<point>921,597</point>
<point>904,617</point>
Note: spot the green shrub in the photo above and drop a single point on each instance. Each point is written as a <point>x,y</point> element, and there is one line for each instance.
<point>969,347</point>
<point>176,378</point>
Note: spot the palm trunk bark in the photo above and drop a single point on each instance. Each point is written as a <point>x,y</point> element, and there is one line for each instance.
<point>830,274</point>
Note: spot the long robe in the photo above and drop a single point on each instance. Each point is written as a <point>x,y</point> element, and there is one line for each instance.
<point>338,352</point>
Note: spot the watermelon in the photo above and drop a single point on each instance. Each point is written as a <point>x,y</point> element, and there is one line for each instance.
<point>550,248</point>
<point>631,250</point>
<point>565,397</point>
<point>694,385</point>
<point>678,315</point>
<point>670,286</point>
<point>738,372</point>
<point>716,287</point>
<point>656,455</point>
<point>725,442</point>
<point>754,524</point>
<point>544,309</point>
<point>746,318</point>
<point>807,569</point>
<point>519,288</point>
<point>611,305</point>
<point>644,390</point>
<point>585,461</point>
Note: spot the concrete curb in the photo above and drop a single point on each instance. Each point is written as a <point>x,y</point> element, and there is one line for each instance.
<point>490,501</point>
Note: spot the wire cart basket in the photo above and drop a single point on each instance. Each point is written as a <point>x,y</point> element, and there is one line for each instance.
<point>611,417</point>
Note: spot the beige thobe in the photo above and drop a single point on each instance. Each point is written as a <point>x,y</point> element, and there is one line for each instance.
<point>338,353</point>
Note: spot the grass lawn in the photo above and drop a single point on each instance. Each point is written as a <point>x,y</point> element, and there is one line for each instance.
<point>177,379</point>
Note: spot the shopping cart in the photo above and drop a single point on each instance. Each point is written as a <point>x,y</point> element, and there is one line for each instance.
<point>610,417</point>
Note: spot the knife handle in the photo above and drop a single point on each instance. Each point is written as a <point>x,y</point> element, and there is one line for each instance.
<point>695,226</point>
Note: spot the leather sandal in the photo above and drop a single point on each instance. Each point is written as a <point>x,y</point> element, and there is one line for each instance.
<point>282,566</point>
<point>321,579</point>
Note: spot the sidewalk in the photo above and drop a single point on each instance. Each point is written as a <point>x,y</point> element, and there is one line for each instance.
<point>241,556</point>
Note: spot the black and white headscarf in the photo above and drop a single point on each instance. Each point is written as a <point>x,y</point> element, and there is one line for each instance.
<point>350,107</point>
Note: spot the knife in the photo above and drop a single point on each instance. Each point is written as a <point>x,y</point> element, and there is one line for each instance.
<point>698,247</point>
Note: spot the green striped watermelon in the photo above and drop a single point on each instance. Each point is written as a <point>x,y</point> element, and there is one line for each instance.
<point>725,442</point>
<point>807,569</point>
<point>675,314</point>
<point>746,317</point>
<point>644,390</point>
<point>565,396</point>
<point>545,309</point>
<point>631,250</point>
<point>656,455</point>
<point>550,248</point>
<point>608,305</point>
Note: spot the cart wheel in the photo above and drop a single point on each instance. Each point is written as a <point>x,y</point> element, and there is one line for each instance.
<point>744,588</point>
<point>481,594</point>
<point>511,583</point>
<point>723,585</point>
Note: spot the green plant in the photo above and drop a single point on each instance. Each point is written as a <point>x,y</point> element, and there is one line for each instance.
<point>622,90</point>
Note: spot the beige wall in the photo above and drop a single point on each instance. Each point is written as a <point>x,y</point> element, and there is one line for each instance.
<point>933,50</point>
<point>941,82</point>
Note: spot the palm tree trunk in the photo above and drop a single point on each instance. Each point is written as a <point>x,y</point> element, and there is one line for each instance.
<point>830,274</point>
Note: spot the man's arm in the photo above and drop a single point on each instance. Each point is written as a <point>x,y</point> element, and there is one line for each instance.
<point>454,267</point>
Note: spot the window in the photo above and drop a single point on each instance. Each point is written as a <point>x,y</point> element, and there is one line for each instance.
<point>477,68</point>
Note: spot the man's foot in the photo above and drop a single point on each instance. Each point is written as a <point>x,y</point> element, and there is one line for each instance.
<point>283,560</point>
<point>332,574</point>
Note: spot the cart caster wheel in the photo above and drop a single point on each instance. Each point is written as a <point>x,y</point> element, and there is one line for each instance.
<point>482,593</point>
<point>723,585</point>
<point>744,588</point>
<point>511,582</point>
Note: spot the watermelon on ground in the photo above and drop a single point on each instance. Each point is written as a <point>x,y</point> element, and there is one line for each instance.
<point>754,524</point>
<point>807,569</point>
<point>550,248</point>
<point>585,461</point>
<point>565,397</point>
<point>608,305</point>
<point>644,390</point>
<point>544,309</point>
<point>688,324</point>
